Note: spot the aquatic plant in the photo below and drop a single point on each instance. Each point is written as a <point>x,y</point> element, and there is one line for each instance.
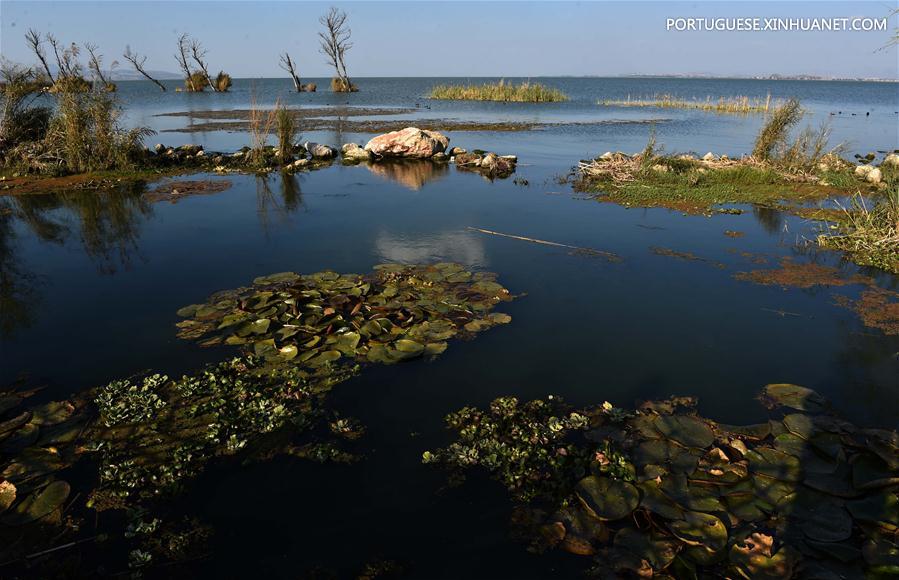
<point>397,313</point>
<point>776,130</point>
<point>21,121</point>
<point>870,235</point>
<point>735,105</point>
<point>222,82</point>
<point>286,129</point>
<point>662,491</point>
<point>525,92</point>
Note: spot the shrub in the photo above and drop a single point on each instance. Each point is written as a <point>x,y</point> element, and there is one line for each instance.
<point>339,85</point>
<point>85,133</point>
<point>286,129</point>
<point>525,92</point>
<point>196,82</point>
<point>222,82</point>
<point>20,120</point>
<point>776,130</point>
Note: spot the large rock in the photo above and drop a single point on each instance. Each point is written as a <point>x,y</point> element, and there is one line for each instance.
<point>410,142</point>
<point>891,159</point>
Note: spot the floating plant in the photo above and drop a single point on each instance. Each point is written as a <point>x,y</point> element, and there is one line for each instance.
<point>663,492</point>
<point>396,313</point>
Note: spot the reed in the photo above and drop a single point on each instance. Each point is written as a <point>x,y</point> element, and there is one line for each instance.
<point>869,234</point>
<point>733,105</point>
<point>525,92</point>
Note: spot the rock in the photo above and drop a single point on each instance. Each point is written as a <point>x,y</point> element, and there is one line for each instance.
<point>606,156</point>
<point>687,157</point>
<point>660,168</point>
<point>874,176</point>
<point>410,142</point>
<point>863,170</point>
<point>891,159</point>
<point>159,148</point>
<point>237,155</point>
<point>439,156</point>
<point>455,151</point>
<point>468,159</point>
<point>319,151</point>
<point>300,163</point>
<point>355,153</point>
<point>709,156</point>
<point>201,153</point>
<point>191,149</point>
<point>512,158</point>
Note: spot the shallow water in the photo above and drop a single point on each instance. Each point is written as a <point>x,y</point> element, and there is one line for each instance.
<point>99,279</point>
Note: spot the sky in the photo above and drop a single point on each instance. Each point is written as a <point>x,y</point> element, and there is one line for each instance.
<point>468,39</point>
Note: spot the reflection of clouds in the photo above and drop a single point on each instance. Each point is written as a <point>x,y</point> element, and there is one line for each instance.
<point>451,246</point>
<point>410,173</point>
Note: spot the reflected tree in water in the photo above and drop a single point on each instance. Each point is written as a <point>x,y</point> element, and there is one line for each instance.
<point>269,206</point>
<point>18,286</point>
<point>771,220</point>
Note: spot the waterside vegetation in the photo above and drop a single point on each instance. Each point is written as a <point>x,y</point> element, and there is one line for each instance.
<point>732,105</point>
<point>525,92</point>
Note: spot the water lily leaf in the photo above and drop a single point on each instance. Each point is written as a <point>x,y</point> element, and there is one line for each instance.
<point>685,429</point>
<point>774,463</point>
<point>747,506</point>
<point>755,557</point>
<point>700,529</point>
<point>52,413</point>
<point>347,343</point>
<point>31,463</point>
<point>288,352</point>
<point>38,504</point>
<point>232,319</point>
<point>189,311</point>
<point>795,397</point>
<point>280,277</point>
<point>826,522</point>
<point>24,437</point>
<point>606,498</point>
<point>869,471</point>
<point>753,432</point>
<point>841,551</point>
<point>880,507</point>
<point>657,502</point>
<point>435,348</point>
<point>800,425</point>
<point>658,551</point>
<point>500,318</point>
<point>408,346</point>
<point>323,358</point>
<point>12,425</point>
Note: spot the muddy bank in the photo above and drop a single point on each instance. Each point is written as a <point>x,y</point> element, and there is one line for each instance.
<point>245,114</point>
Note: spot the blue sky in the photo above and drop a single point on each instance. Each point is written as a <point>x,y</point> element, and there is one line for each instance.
<point>467,38</point>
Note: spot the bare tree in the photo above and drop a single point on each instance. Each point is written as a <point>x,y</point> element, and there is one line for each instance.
<point>54,44</point>
<point>137,62</point>
<point>198,53</point>
<point>181,56</point>
<point>36,43</point>
<point>287,65</point>
<point>335,42</point>
<point>95,62</point>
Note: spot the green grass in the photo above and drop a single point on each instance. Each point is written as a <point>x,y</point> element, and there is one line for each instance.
<point>733,105</point>
<point>869,232</point>
<point>525,92</point>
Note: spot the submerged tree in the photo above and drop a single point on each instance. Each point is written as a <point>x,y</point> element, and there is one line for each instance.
<point>196,80</point>
<point>287,64</point>
<point>137,61</point>
<point>335,42</point>
<point>198,53</point>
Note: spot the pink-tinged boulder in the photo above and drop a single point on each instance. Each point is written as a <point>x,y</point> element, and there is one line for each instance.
<point>410,142</point>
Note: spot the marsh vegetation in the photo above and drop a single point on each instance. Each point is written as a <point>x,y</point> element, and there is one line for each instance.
<point>524,92</point>
<point>734,105</point>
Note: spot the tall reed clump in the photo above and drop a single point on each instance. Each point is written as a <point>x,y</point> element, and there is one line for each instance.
<point>525,92</point>
<point>339,85</point>
<point>804,152</point>
<point>733,105</point>
<point>261,122</point>
<point>870,235</point>
<point>21,121</point>
<point>776,130</point>
<point>286,130</point>
<point>85,134</point>
<point>196,82</point>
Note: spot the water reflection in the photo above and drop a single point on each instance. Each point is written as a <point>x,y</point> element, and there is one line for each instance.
<point>771,220</point>
<point>18,285</point>
<point>411,174</point>
<point>451,246</point>
<point>269,206</point>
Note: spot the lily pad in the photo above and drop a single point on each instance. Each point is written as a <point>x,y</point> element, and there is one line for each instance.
<point>826,522</point>
<point>606,498</point>
<point>795,397</point>
<point>700,529</point>
<point>686,430</point>
<point>38,504</point>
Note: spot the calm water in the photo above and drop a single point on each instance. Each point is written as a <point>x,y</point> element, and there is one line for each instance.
<point>92,282</point>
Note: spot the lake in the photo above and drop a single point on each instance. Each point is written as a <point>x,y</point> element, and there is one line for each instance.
<point>92,282</point>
